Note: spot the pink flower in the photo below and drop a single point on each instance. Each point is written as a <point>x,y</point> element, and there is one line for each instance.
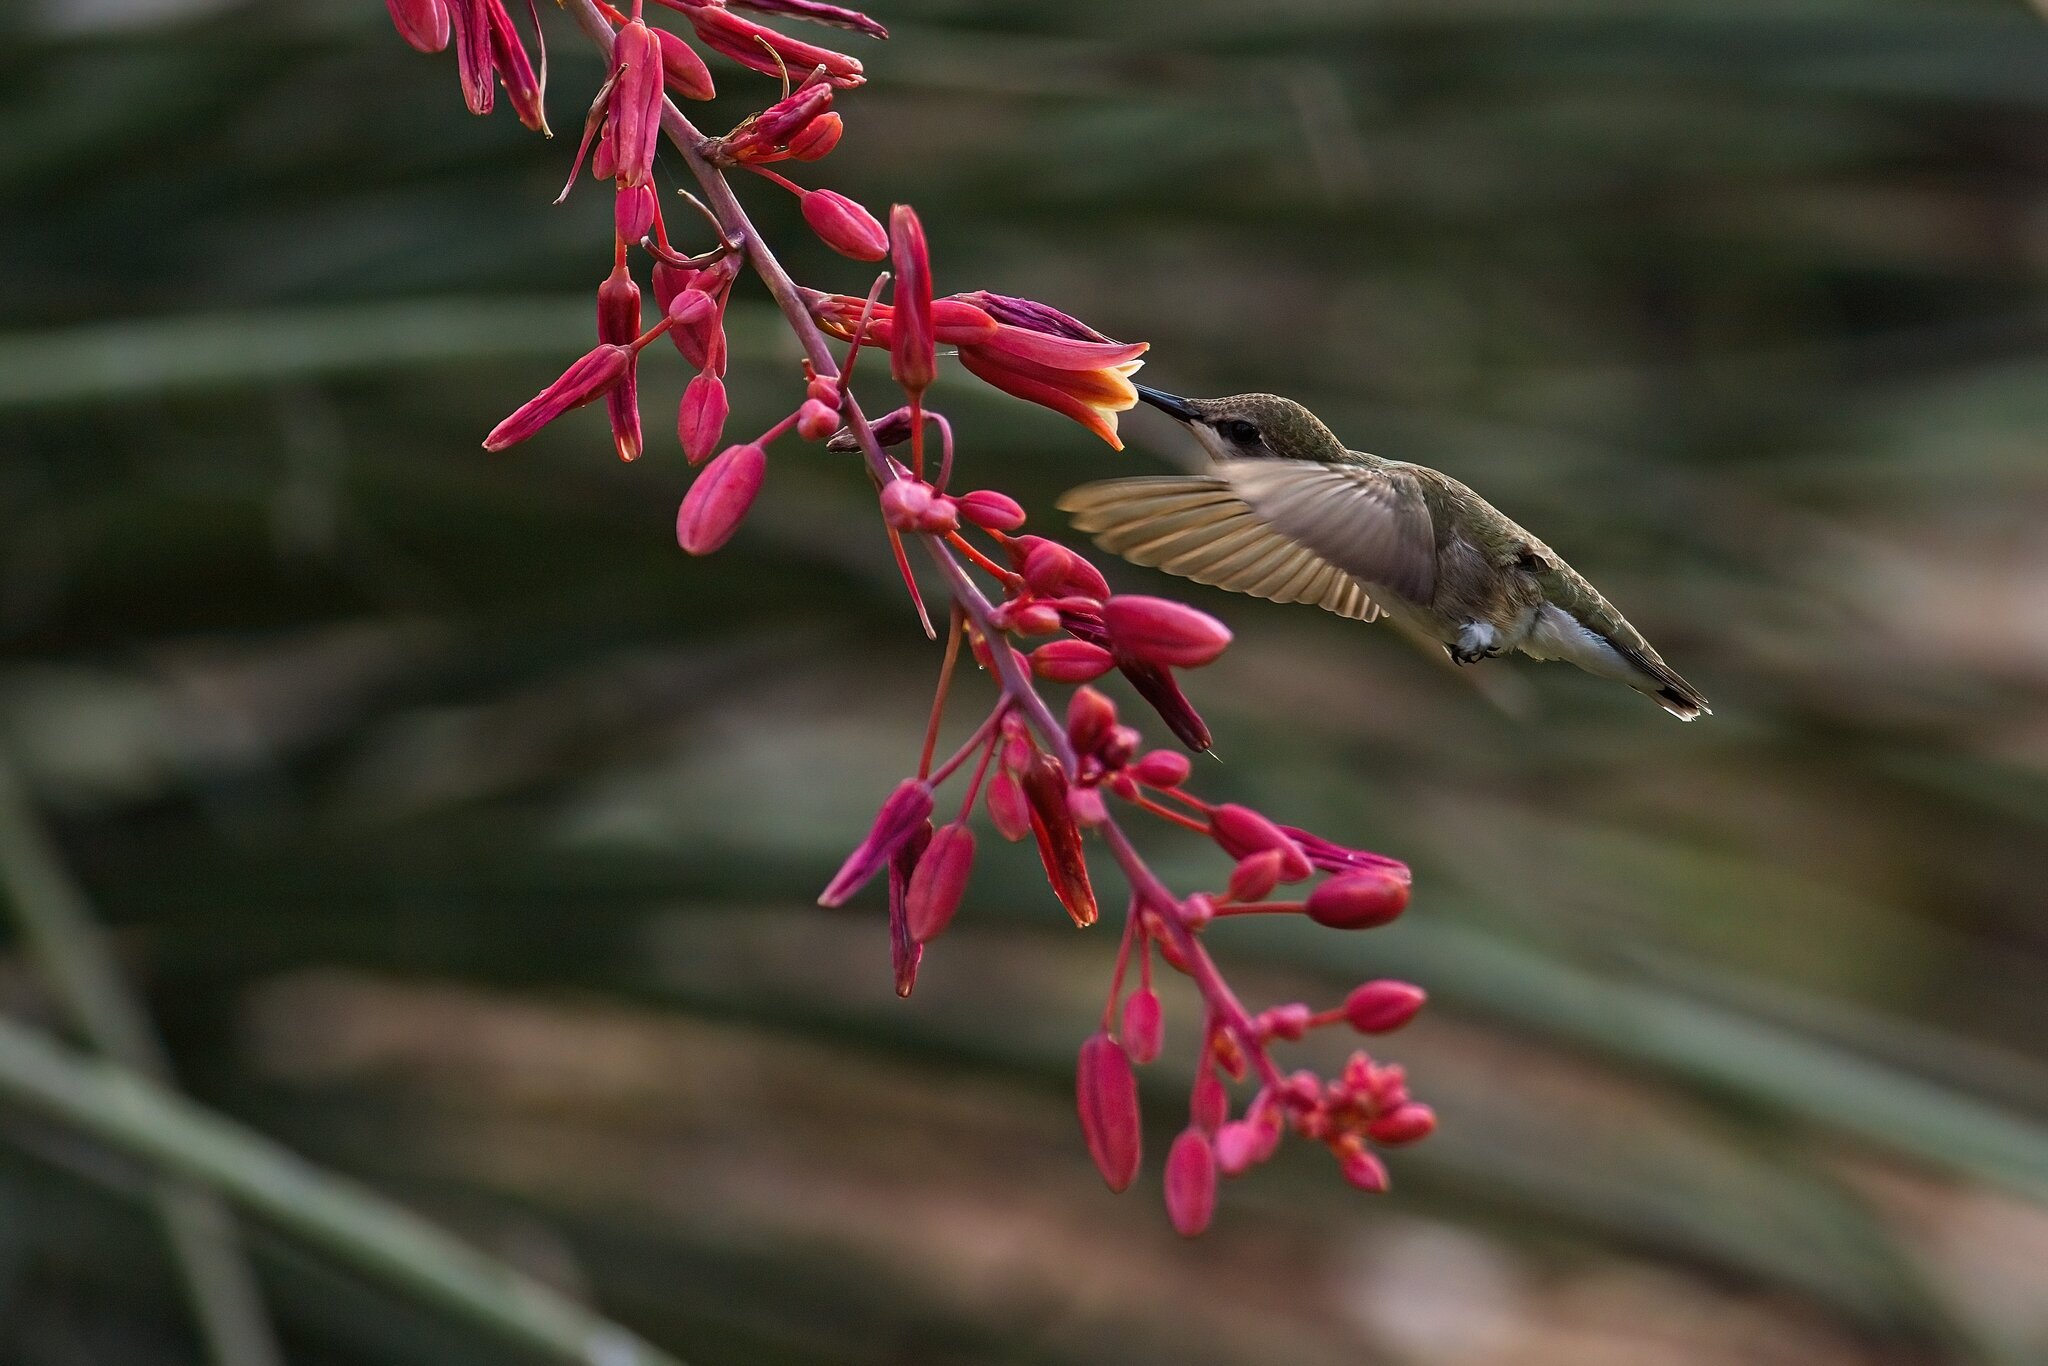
<point>817,138</point>
<point>1358,901</point>
<point>766,136</point>
<point>719,498</point>
<point>1007,808</point>
<point>1144,1025</point>
<point>1059,839</point>
<point>1384,1006</point>
<point>682,70</point>
<point>818,12</point>
<point>844,225</point>
<point>940,881</point>
<point>1071,661</point>
<point>594,375</point>
<point>1242,832</point>
<point>906,811</point>
<point>913,361</point>
<point>1106,1098</point>
<point>634,126</point>
<point>763,49</point>
<point>700,418</point>
<point>618,322</point>
<point>1161,631</point>
<point>422,23</point>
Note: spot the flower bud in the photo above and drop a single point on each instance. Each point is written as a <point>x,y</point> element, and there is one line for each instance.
<point>633,213</point>
<point>1383,1006</point>
<point>700,418</point>
<point>955,323</point>
<point>904,501</point>
<point>1090,715</point>
<point>618,321</point>
<point>515,69</point>
<point>1288,1022</point>
<point>1059,840</point>
<point>817,137</point>
<point>912,360</point>
<point>1242,832</point>
<point>682,70</point>
<point>1006,807</point>
<point>718,501</point>
<point>995,511</point>
<point>901,817</point>
<point>1195,912</point>
<point>905,952</point>
<point>1256,875</point>
<point>1237,1146</point>
<point>595,374</point>
<point>816,421</point>
<point>1410,1123</point>
<point>1053,571</point>
<point>941,517</point>
<point>762,49</point>
<point>1144,1025</point>
<point>1162,768</point>
<point>1070,661</point>
<point>1358,901</point>
<point>635,120</point>
<point>1087,806</point>
<point>845,226</point>
<point>1160,631</point>
<point>1209,1103</point>
<point>1106,1097</point>
<point>1035,619</point>
<point>1190,1182</point>
<point>940,881</point>
<point>1363,1170</point>
<point>422,23</point>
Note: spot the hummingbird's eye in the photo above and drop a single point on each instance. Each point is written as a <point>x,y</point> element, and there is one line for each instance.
<point>1242,432</point>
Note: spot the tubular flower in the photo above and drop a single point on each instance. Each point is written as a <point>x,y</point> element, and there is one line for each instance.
<point>763,49</point>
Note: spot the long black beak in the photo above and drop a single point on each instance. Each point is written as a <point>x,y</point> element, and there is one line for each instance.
<point>1171,404</point>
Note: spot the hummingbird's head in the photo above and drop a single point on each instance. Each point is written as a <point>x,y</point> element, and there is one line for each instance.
<point>1250,426</point>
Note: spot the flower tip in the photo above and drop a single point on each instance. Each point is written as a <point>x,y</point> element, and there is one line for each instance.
<point>1106,1099</point>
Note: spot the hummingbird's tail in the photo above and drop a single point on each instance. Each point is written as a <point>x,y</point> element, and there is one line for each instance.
<point>1671,692</point>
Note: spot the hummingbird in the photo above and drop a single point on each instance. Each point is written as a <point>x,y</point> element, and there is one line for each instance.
<point>1286,512</point>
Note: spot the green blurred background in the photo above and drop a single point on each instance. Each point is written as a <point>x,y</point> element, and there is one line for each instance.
<point>462,833</point>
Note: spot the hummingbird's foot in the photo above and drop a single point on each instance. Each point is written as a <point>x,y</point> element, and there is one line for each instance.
<point>1476,641</point>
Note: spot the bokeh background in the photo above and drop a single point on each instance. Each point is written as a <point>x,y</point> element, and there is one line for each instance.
<point>461,834</point>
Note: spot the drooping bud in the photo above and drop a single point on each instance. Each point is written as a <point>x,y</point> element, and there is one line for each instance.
<point>618,321</point>
<point>1070,661</point>
<point>470,21</point>
<point>1363,1170</point>
<point>1358,901</point>
<point>1007,808</point>
<point>816,421</point>
<point>1162,768</point>
<point>1161,631</point>
<point>817,138</point>
<point>904,502</point>
<point>940,881</point>
<point>1243,832</point>
<point>635,125</point>
<point>1190,1182</point>
<point>1090,714</point>
<point>912,358</point>
<point>590,377</point>
<point>1144,1025</point>
<point>1208,1103</point>
<point>904,951</point>
<point>700,418</point>
<point>1059,840</point>
<point>844,225</point>
<point>1237,1146</point>
<point>422,23</point>
<point>633,213</point>
<point>1053,571</point>
<point>1409,1123</point>
<point>1383,1006</point>
<point>717,502</point>
<point>515,70</point>
<point>1106,1097</point>
<point>905,812</point>
<point>995,511</point>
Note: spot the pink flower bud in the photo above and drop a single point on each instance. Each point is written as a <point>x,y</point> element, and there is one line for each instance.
<point>955,323</point>
<point>940,881</point>
<point>1070,661</point>
<point>604,159</point>
<point>1006,807</point>
<point>470,21</point>
<point>423,23</point>
<point>1106,1097</point>
<point>904,951</point>
<point>635,122</point>
<point>1053,571</point>
<point>845,226</point>
<point>699,329</point>
<point>1288,1022</point>
<point>762,49</point>
<point>1363,1170</point>
<point>590,377</point>
<point>904,501</point>
<point>817,137</point>
<point>1237,1146</point>
<point>1190,1183</point>
<point>995,511</point>
<point>692,308</point>
<point>700,418</point>
<point>1162,768</point>
<point>1144,1025</point>
<point>1161,631</point>
<point>515,69</point>
<point>816,421</point>
<point>682,70</point>
<point>1090,715</point>
<point>1087,806</point>
<point>1410,1123</point>
<point>1358,901</point>
<point>902,816</point>
<point>912,360</point>
<point>633,213</point>
<point>1035,619</point>
<point>1209,1103</point>
<point>1195,912</point>
<point>1243,832</point>
<point>1256,875</point>
<point>717,502</point>
<point>1059,840</point>
<point>669,283</point>
<point>618,321</point>
<point>1384,1006</point>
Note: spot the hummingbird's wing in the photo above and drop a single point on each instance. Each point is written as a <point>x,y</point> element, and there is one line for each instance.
<point>1200,528</point>
<point>1370,521</point>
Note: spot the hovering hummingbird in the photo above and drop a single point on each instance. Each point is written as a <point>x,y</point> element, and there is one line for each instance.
<point>1287,513</point>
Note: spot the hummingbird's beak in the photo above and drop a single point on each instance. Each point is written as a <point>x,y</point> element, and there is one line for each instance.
<point>1171,404</point>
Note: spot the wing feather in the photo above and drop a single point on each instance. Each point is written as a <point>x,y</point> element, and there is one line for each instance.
<point>1370,521</point>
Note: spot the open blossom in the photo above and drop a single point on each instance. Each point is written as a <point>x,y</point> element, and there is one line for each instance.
<point>488,52</point>
<point>767,51</point>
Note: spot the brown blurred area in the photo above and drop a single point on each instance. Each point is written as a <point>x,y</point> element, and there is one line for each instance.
<point>462,834</point>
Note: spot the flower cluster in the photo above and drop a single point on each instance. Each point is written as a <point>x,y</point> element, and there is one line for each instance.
<point>1031,612</point>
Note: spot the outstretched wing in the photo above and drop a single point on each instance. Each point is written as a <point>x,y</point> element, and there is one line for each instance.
<point>1197,527</point>
<point>1369,521</point>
